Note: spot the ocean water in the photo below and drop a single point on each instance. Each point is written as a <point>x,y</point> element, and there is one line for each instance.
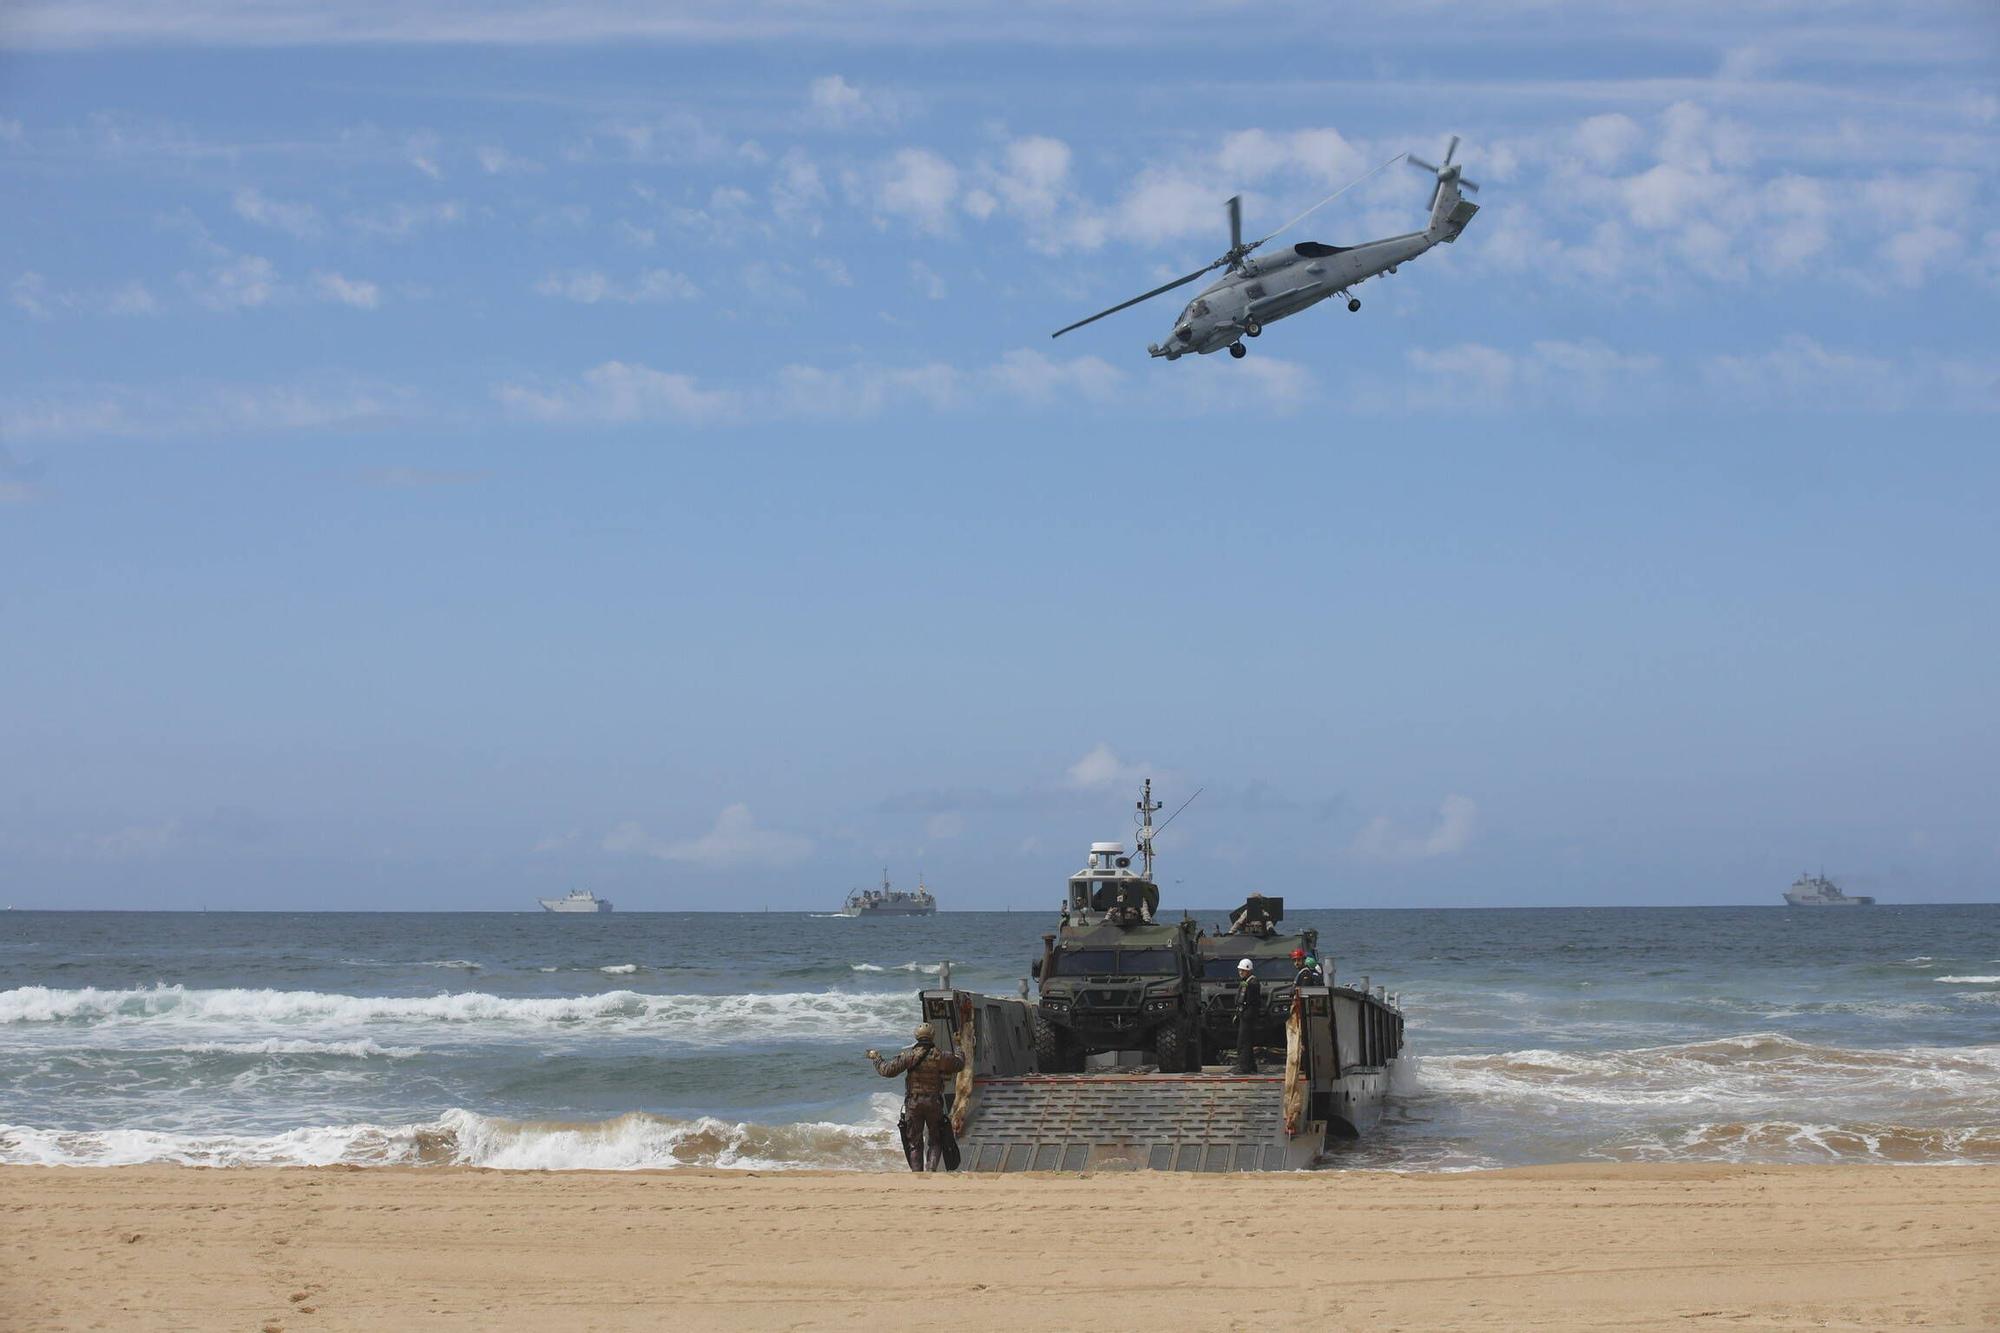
<point>656,1040</point>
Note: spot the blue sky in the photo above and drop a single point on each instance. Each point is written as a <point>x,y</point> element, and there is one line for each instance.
<point>452,453</point>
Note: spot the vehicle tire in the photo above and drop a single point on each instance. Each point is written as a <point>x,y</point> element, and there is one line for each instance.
<point>1238,350</point>
<point>1354,303</point>
<point>1051,1046</point>
<point>1251,328</point>
<point>1170,1044</point>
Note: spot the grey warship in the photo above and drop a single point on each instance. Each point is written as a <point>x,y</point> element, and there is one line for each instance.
<point>886,901</point>
<point>1114,1064</point>
<point>1819,891</point>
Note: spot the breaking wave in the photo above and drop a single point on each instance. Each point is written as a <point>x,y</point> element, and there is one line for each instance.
<point>1759,1068</point>
<point>705,1019</point>
<point>1969,981</point>
<point>1793,1141</point>
<point>631,1142</point>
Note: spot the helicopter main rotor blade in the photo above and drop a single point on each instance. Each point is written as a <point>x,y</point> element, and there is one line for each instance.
<point>1235,223</point>
<point>1330,198</point>
<point>1450,148</point>
<point>1177,282</point>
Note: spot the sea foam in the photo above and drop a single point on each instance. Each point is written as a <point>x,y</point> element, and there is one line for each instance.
<point>630,1142</point>
<point>693,1018</point>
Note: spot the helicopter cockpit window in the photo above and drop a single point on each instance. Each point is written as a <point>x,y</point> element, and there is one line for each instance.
<point>1196,310</point>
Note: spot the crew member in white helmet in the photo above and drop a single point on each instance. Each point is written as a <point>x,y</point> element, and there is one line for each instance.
<point>1249,1006</point>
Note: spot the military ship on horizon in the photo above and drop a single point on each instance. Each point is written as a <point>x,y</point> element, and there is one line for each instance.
<point>886,901</point>
<point>1819,891</point>
<point>576,900</point>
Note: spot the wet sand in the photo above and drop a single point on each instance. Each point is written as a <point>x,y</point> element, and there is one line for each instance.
<point>1551,1247</point>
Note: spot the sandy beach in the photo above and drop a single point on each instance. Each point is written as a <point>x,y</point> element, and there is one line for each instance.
<point>1552,1247</point>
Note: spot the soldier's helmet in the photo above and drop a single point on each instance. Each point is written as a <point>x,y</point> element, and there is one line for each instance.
<point>1298,955</point>
<point>925,1033</point>
<point>1245,966</point>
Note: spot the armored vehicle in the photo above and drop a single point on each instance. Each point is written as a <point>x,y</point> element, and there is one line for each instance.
<point>1114,979</point>
<point>1253,934</point>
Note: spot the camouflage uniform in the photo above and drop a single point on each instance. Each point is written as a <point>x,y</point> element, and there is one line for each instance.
<point>925,1069</point>
<point>1249,1008</point>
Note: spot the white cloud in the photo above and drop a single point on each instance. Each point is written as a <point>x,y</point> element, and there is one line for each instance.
<point>833,271</point>
<point>1606,141</point>
<point>205,410</point>
<point>917,186</point>
<point>1548,373</point>
<point>300,220</point>
<point>242,282</point>
<point>17,479</point>
<point>864,390</point>
<point>927,280</point>
<point>589,287</point>
<point>617,392</point>
<point>356,292</point>
<point>1028,375</point>
<point>400,221</point>
<point>421,152</point>
<point>1802,374</point>
<point>834,103</point>
<point>1101,770</point>
<point>31,294</point>
<point>497,161</point>
<point>797,192</point>
<point>1381,840</point>
<point>735,840</point>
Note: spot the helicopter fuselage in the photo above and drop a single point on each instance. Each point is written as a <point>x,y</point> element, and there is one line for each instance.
<point>1267,288</point>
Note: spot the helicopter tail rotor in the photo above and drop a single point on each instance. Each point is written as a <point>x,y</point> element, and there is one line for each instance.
<point>1446,173</point>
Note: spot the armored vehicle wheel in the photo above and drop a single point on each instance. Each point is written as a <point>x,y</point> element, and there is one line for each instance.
<point>1052,1047</point>
<point>1238,350</point>
<point>1170,1044</point>
<point>1251,328</point>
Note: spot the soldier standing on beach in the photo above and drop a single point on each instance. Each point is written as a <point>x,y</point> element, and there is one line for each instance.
<point>924,1069</point>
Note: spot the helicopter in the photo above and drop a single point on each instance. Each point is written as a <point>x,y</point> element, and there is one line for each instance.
<point>1256,292</point>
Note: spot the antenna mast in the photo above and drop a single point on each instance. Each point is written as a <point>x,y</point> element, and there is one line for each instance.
<point>1146,808</point>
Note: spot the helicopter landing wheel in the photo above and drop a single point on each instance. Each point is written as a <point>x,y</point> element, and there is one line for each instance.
<point>1238,350</point>
<point>1353,303</point>
<point>1251,328</point>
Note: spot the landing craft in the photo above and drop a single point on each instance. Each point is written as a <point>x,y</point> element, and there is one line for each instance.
<point>1256,292</point>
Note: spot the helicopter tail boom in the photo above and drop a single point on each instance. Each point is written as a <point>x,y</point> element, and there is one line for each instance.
<point>1450,211</point>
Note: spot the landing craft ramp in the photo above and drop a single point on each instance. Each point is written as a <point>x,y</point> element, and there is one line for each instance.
<point>1162,1122</point>
<point>1010,1117</point>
